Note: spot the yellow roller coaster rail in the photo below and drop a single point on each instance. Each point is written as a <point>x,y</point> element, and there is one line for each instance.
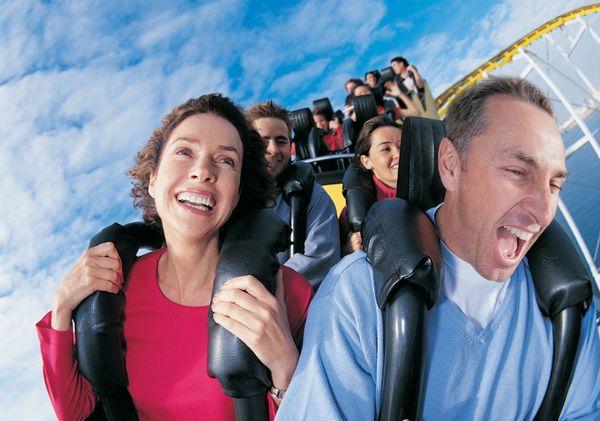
<point>505,56</point>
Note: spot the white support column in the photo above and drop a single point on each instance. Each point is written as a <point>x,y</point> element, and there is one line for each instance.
<point>576,146</point>
<point>580,242</point>
<point>581,31</point>
<point>579,72</point>
<point>592,32</point>
<point>584,128</point>
<point>526,71</point>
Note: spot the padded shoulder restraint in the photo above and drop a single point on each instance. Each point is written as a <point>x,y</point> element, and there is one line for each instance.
<point>297,183</point>
<point>403,249</point>
<point>405,256</point>
<point>348,134</point>
<point>316,147</point>
<point>564,293</point>
<point>250,248</point>
<point>360,194</point>
<point>99,327</point>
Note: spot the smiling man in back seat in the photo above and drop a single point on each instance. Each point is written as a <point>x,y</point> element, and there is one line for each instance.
<point>322,238</point>
<point>489,348</point>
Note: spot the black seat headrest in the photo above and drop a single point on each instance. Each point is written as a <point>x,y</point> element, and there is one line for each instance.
<point>418,178</point>
<point>303,123</point>
<point>364,108</point>
<point>387,74</point>
<point>315,143</point>
<point>324,105</point>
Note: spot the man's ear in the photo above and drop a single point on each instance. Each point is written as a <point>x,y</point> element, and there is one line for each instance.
<point>448,164</point>
<point>366,162</point>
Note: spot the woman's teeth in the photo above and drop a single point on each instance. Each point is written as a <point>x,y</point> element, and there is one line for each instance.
<point>196,201</point>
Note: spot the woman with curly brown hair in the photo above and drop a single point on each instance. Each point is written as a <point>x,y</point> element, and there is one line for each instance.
<point>202,168</point>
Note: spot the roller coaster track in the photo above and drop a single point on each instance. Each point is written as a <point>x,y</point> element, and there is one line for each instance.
<point>507,55</point>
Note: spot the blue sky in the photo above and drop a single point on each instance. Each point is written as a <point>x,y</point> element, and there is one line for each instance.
<point>83,83</point>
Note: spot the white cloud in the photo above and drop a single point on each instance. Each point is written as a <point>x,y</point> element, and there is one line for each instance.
<point>301,77</point>
<point>335,29</point>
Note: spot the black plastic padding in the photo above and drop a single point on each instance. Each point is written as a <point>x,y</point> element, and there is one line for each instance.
<point>297,183</point>
<point>249,248</point>
<point>402,246</point>
<point>400,83</point>
<point>378,93</point>
<point>405,346</point>
<point>297,179</point>
<point>99,325</point>
<point>117,404</point>
<point>315,144</point>
<point>359,190</point>
<point>390,109</point>
<point>255,408</point>
<point>365,108</point>
<point>566,330</point>
<point>302,120</point>
<point>148,236</point>
<point>418,177</point>
<point>324,105</point>
<point>302,151</point>
<point>387,74</point>
<point>349,134</point>
<point>560,278</point>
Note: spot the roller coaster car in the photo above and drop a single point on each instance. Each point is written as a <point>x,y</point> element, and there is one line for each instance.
<point>309,143</point>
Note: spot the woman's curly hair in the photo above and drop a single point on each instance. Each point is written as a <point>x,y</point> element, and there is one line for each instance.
<point>256,188</point>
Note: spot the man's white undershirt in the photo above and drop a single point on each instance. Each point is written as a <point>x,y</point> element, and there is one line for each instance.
<point>477,297</point>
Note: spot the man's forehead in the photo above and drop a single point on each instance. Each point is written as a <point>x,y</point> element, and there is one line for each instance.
<point>513,122</point>
<point>271,127</point>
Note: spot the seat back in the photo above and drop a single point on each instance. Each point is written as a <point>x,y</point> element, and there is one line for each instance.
<point>324,105</point>
<point>303,123</point>
<point>405,262</point>
<point>418,178</point>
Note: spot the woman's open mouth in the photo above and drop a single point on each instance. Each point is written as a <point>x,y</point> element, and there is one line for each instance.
<point>201,202</point>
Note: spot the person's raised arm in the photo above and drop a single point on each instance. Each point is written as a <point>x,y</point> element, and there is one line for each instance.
<point>417,76</point>
<point>98,269</point>
<point>71,394</point>
<point>410,110</point>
